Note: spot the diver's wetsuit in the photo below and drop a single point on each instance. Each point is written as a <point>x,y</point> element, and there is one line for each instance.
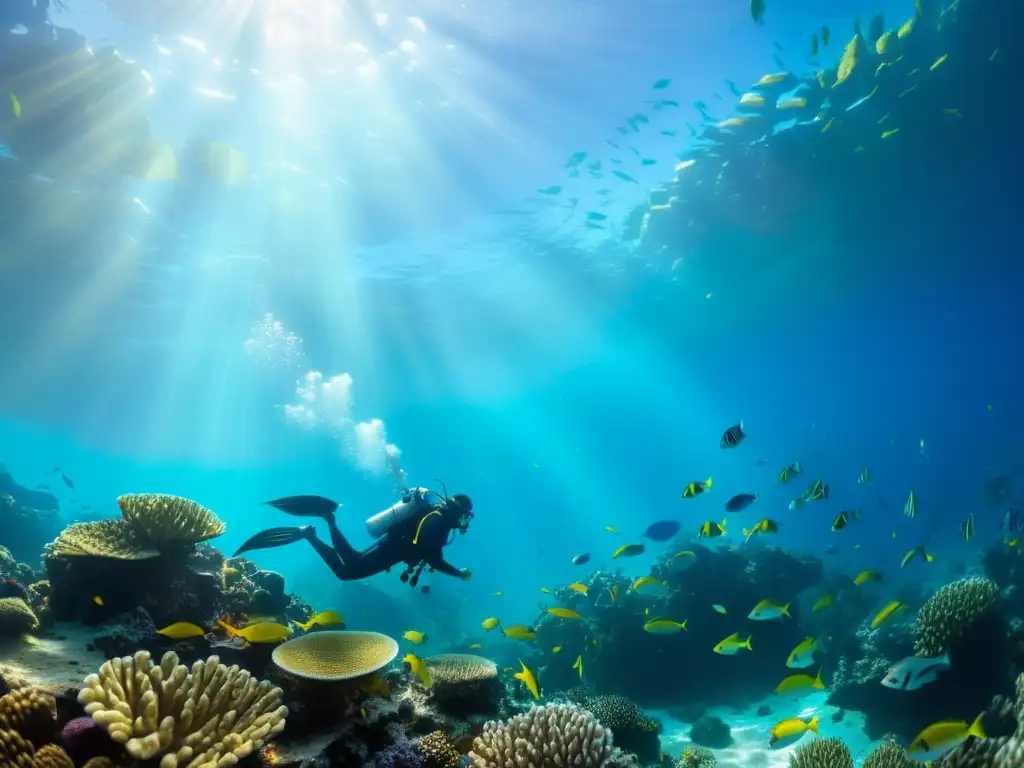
<point>349,564</point>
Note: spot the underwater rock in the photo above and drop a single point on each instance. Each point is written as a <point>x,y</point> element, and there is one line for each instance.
<point>124,634</point>
<point>28,519</point>
<point>712,732</point>
<point>764,710</point>
<point>690,712</point>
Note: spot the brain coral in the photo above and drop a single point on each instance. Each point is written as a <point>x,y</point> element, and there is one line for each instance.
<point>16,618</point>
<point>822,753</point>
<point>166,519</point>
<point>335,655</point>
<point>546,737</point>
<point>949,613</point>
<point>458,668</point>
<point>30,712</point>
<point>620,714</point>
<point>115,539</point>
<point>208,717</point>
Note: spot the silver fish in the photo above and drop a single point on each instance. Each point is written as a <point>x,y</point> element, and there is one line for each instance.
<point>915,671</point>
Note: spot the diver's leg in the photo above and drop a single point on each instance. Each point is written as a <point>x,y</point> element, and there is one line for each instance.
<point>327,554</point>
<point>341,545</point>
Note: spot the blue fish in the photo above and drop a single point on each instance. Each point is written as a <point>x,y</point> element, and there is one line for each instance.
<point>733,436</point>
<point>663,530</point>
<point>1013,522</point>
<point>740,501</point>
<point>581,559</point>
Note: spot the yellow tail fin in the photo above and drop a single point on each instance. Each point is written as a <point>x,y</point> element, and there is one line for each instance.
<point>977,728</point>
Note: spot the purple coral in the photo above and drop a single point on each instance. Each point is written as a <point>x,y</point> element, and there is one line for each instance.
<point>401,753</point>
<point>82,738</point>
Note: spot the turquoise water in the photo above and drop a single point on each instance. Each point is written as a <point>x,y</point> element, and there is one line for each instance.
<point>396,226</point>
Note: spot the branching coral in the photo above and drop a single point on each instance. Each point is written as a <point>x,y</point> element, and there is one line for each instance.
<point>822,753</point>
<point>889,754</point>
<point>439,751</point>
<point>949,613</point>
<point>207,717</point>
<point>16,617</point>
<point>30,712</point>
<point>166,519</point>
<point>545,737</point>
<point>15,751</point>
<point>115,539</point>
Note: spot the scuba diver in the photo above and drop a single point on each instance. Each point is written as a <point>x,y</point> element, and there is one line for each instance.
<point>413,531</point>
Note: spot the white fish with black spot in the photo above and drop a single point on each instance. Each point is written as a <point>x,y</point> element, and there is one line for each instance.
<point>915,672</point>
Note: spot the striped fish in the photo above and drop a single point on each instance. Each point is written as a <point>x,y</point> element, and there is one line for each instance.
<point>864,477</point>
<point>1013,522</point>
<point>910,508</point>
<point>733,436</point>
<point>967,528</point>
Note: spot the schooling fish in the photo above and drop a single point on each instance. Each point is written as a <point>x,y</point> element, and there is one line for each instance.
<point>733,436</point>
<point>578,665</point>
<point>757,9</point>
<point>762,526</point>
<point>491,623</point>
<point>967,530</point>
<point>417,638</point>
<point>787,732</point>
<point>844,517</point>
<point>262,632</point>
<point>665,626</point>
<point>766,610</point>
<point>886,613</point>
<point>1013,522</point>
<point>910,508</point>
<point>800,682</point>
<point>941,737</point>
<point>712,529</point>
<point>650,586</point>
<point>322,619</point>
<point>519,632</point>
<point>732,645</point>
<point>915,671</point>
<point>788,473</point>
<point>529,680</point>
<point>803,655</point>
<point>866,576</point>
<point>180,630</point>
<point>581,559</point>
<point>628,550</point>
<point>864,477</point>
<point>663,530</point>
<point>564,613</point>
<point>740,501</point>
<point>916,552</point>
<point>419,668</point>
<point>67,482</point>
<point>696,488</point>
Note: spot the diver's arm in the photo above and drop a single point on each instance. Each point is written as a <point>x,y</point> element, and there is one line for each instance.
<point>438,563</point>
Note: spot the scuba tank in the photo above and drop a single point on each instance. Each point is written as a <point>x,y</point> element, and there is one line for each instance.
<point>412,504</point>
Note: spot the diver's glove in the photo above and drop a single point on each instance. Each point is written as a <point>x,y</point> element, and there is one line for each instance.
<point>465,574</point>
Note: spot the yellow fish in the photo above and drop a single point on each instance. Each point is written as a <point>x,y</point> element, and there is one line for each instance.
<point>865,576</point>
<point>499,594</point>
<point>665,626</point>
<point>939,738</point>
<point>798,682</point>
<point>491,623</point>
<point>803,655</point>
<point>564,613</point>
<point>916,552</point>
<point>823,602</point>
<point>528,680</point>
<point>557,649</point>
<point>732,644</point>
<point>419,668</point>
<point>628,550</point>
<point>613,590</point>
<point>787,732</point>
<point>322,619</point>
<point>475,646</point>
<point>710,529</point>
<point>578,665</point>
<point>519,632</point>
<point>650,586</point>
<point>885,613</point>
<point>263,632</point>
<point>545,590</point>
<point>15,104</point>
<point>719,608</point>
<point>415,637</point>
<point>848,63</point>
<point>179,630</point>
<point>577,587</point>
<point>98,600</point>
<point>939,61</point>
<point>611,530</point>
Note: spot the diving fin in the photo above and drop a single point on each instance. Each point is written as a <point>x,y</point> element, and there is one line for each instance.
<point>306,506</point>
<point>274,537</point>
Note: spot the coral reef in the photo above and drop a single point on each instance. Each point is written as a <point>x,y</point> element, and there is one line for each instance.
<point>545,737</point>
<point>712,732</point>
<point>195,718</point>
<point>439,751</point>
<point>16,617</point>
<point>889,754</point>
<point>1004,724</point>
<point>30,712</point>
<point>335,655</point>
<point>634,731</point>
<point>464,684</point>
<point>696,756</point>
<point>950,613</point>
<point>822,753</point>
<point>168,520</point>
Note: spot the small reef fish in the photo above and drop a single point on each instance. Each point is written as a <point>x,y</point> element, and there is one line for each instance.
<point>663,530</point>
<point>97,600</point>
<point>800,682</point>
<point>916,552</point>
<point>180,630</point>
<point>757,9</point>
<point>490,623</point>
<point>67,481</point>
<point>475,646</point>
<point>696,488</point>
<point>419,668</point>
<point>941,737</point>
<point>844,518</point>
<point>610,529</point>
<point>732,645</point>
<point>578,665</point>
<point>527,676</point>
<point>15,104</point>
<point>866,576</point>
<point>557,649</point>
<point>499,593</point>
<point>564,613</point>
<point>733,436</point>
<point>628,550</point>
<point>1013,523</point>
<point>910,508</point>
<point>415,637</point>
<point>581,559</point>
<point>967,529</point>
<point>762,526</point>
<point>814,45</point>
<point>719,608</point>
<point>826,35</point>
<point>915,672</point>
<point>650,586</point>
<point>864,477</point>
<point>263,632</point>
<point>545,590</point>
<point>890,610</point>
<point>787,732</point>
<point>803,655</point>
<point>788,473</point>
<point>711,529</point>
<point>665,626</point>
<point>322,619</point>
<point>740,502</point>
<point>577,587</point>
<point>822,603</point>
<point>767,610</point>
<point>613,592</point>
<point>519,632</point>
<point>818,491</point>
<point>683,560</point>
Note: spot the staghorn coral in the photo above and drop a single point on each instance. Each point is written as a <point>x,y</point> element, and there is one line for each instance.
<point>439,751</point>
<point>948,614</point>
<point>52,756</point>
<point>545,737</point>
<point>460,668</point>
<point>165,519</point>
<point>207,717</point>
<point>695,756</point>
<point>335,655</point>
<point>822,753</point>
<point>114,539</point>
<point>30,712</point>
<point>889,754</point>
<point>15,751</point>
<point>16,618</point>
